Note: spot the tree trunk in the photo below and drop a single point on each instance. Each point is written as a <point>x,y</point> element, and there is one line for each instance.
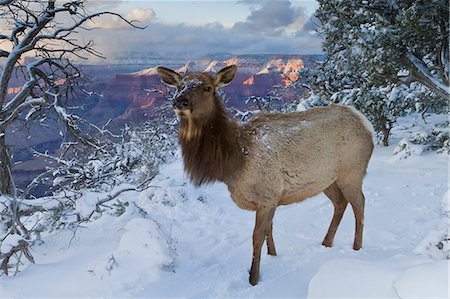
<point>385,137</point>
<point>5,164</point>
<point>422,74</point>
<point>386,132</point>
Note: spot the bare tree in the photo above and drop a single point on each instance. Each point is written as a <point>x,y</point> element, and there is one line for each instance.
<point>45,30</point>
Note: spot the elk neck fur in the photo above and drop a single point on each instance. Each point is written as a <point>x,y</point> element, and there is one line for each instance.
<point>212,147</point>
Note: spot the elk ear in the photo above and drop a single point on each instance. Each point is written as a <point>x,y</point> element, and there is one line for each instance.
<point>168,76</point>
<point>224,76</point>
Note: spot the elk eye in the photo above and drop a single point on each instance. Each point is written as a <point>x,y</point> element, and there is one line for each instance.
<point>207,88</point>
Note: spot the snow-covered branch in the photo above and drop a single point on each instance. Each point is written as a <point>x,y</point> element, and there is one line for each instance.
<point>42,33</point>
<point>70,121</point>
<point>23,99</point>
<point>19,48</point>
<point>422,71</point>
<point>29,103</point>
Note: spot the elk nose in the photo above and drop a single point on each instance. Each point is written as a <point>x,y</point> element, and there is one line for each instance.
<point>180,103</point>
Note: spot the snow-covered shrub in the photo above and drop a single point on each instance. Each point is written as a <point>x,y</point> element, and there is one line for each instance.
<point>135,154</point>
<point>133,161</point>
<point>101,173</point>
<point>149,147</point>
<point>273,101</point>
<point>15,237</point>
<point>419,137</point>
<point>437,140</point>
<point>267,103</point>
<point>405,149</point>
<point>437,242</point>
<point>313,100</point>
<point>424,137</point>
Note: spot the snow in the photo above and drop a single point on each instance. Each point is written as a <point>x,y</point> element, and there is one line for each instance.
<point>187,85</point>
<point>428,280</point>
<point>439,235</point>
<point>405,149</point>
<point>142,238</point>
<point>146,72</point>
<point>353,278</point>
<point>176,240</point>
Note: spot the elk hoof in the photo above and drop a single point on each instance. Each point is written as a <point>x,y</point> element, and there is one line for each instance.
<point>254,274</point>
<point>253,279</point>
<point>327,243</point>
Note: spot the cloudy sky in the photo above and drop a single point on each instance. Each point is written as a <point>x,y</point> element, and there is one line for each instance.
<point>197,28</point>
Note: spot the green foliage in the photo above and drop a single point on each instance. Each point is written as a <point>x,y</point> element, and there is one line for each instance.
<point>370,42</point>
<point>120,207</point>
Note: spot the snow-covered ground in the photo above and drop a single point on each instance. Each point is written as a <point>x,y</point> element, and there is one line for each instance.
<point>174,240</point>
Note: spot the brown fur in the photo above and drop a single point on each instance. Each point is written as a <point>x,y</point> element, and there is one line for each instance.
<point>274,159</point>
<point>210,149</point>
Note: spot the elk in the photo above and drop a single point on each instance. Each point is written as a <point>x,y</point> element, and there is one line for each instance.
<point>275,158</point>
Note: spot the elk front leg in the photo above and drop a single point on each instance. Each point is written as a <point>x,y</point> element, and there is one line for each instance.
<point>264,216</point>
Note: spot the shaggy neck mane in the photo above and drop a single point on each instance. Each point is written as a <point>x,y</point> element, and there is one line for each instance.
<point>211,147</point>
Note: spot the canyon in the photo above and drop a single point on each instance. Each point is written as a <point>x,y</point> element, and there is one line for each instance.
<point>134,97</point>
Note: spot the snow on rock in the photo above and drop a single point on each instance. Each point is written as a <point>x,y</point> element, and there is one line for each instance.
<point>109,257</point>
<point>301,106</point>
<point>85,205</point>
<point>141,253</point>
<point>146,72</point>
<point>417,137</point>
<point>352,278</point>
<point>405,149</point>
<point>446,203</point>
<point>436,244</point>
<point>429,280</point>
<point>214,66</point>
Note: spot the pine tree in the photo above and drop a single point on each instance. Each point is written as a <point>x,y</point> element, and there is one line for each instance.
<point>388,41</point>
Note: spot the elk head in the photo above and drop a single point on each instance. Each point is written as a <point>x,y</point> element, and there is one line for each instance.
<point>195,98</point>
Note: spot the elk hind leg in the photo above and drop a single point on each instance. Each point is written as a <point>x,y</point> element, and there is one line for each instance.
<point>340,204</point>
<point>270,243</point>
<point>353,193</point>
<point>358,210</point>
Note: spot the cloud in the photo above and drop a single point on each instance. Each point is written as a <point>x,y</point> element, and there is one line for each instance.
<point>272,27</point>
<point>195,42</point>
<point>139,16</point>
<point>272,17</point>
<point>101,4</point>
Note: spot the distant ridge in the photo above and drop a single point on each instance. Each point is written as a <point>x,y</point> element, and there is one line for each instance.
<point>287,65</point>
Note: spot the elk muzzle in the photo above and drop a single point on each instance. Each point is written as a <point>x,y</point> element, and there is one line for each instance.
<point>180,103</point>
<point>181,106</point>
